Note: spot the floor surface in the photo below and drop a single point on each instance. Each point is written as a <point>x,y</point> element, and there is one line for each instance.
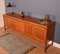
<point>12,45</point>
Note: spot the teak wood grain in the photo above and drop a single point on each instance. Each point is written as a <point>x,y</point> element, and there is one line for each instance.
<point>30,27</point>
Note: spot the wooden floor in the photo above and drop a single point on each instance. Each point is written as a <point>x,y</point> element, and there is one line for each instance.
<point>2,33</point>
<point>51,49</point>
<point>3,51</point>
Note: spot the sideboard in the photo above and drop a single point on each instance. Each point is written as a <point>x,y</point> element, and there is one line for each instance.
<point>30,27</point>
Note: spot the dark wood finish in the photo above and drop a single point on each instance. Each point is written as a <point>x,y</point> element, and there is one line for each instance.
<point>30,27</point>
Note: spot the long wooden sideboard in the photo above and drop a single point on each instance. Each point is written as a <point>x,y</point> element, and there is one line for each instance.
<point>30,27</point>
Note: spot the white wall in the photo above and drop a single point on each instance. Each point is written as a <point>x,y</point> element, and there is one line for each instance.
<point>2,11</point>
<point>39,8</point>
<point>7,9</point>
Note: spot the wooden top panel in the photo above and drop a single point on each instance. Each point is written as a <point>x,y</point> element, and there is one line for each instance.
<point>29,19</point>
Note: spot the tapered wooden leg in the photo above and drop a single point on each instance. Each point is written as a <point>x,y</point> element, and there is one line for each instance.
<point>4,28</point>
<point>45,50</point>
<point>45,45</point>
<point>52,40</point>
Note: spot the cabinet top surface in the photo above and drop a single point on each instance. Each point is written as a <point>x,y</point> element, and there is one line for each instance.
<point>27,18</point>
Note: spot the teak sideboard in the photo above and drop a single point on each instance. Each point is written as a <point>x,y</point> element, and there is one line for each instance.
<point>30,27</point>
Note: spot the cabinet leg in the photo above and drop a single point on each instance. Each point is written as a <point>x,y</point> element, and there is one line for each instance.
<point>5,28</point>
<point>45,50</point>
<point>45,47</point>
<point>52,41</point>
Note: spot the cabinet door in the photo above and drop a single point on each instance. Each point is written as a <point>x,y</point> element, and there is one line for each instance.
<point>12,23</point>
<point>28,29</point>
<point>7,22</point>
<point>19,26</point>
<point>38,33</point>
<point>22,27</point>
<point>16,25</point>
